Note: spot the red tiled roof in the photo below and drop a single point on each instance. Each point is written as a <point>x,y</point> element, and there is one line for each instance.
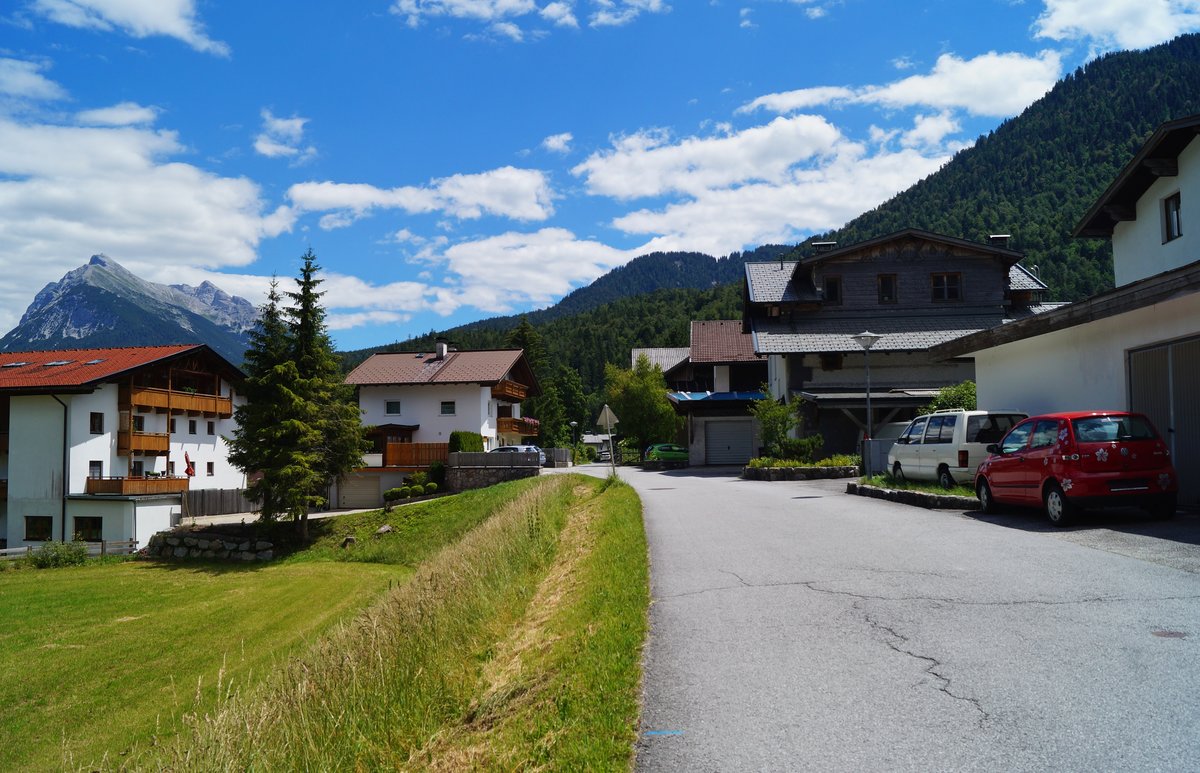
<point>480,367</point>
<point>721,341</point>
<point>69,368</point>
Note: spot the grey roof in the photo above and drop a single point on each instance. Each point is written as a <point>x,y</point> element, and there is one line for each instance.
<point>1021,278</point>
<point>1024,312</point>
<point>823,334</point>
<point>665,358</point>
<point>771,283</point>
<point>913,233</point>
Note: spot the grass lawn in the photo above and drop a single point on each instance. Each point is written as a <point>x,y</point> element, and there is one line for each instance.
<point>99,659</point>
<point>931,487</point>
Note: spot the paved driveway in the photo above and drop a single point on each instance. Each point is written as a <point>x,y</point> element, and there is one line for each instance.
<point>794,627</point>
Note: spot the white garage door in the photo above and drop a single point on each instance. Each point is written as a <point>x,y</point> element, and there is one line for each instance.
<point>359,491</point>
<point>728,442</point>
<point>1162,381</point>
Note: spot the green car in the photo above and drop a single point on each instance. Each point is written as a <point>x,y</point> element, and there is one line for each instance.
<point>667,452</point>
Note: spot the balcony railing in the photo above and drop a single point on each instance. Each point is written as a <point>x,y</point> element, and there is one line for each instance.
<point>177,401</point>
<point>415,454</point>
<point>510,390</point>
<point>521,426</point>
<point>136,486</point>
<point>143,442</point>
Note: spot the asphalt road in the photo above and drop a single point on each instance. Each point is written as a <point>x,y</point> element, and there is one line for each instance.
<point>794,627</point>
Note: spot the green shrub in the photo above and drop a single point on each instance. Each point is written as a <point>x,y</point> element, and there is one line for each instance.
<point>437,473</point>
<point>53,554</point>
<point>431,487</point>
<point>461,440</point>
<point>417,479</point>
<point>405,492</point>
<point>801,449</point>
<point>392,494</point>
<point>839,460</point>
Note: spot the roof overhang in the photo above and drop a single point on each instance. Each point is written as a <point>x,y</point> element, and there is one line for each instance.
<point>897,398</point>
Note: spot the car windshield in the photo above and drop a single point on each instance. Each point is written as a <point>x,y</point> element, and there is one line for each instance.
<point>1102,429</point>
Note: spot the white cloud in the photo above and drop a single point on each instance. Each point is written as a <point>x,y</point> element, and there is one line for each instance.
<point>282,138</point>
<point>992,84</point>
<point>24,80</point>
<point>139,18</point>
<point>121,114</point>
<point>647,164</point>
<point>69,192</point>
<point>520,194</point>
<point>558,143</point>
<point>479,10</point>
<point>930,131</point>
<point>508,30</point>
<point>617,13</point>
<point>1111,24</point>
<point>560,14</point>
<point>746,22</point>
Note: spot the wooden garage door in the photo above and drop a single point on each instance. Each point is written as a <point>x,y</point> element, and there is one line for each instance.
<point>728,442</point>
<point>359,491</point>
<point>1162,383</point>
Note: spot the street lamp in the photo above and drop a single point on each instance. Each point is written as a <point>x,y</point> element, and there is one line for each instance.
<point>574,424</point>
<point>866,340</point>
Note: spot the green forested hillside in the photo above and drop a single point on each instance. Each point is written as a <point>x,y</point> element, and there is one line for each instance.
<point>1036,175</point>
<point>1032,177</point>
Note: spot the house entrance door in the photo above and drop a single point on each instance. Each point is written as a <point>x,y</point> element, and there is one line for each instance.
<point>1162,383</point>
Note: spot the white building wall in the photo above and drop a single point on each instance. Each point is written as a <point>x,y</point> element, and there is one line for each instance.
<point>1138,249</point>
<point>421,404</point>
<point>1082,367</point>
<point>36,472</point>
<point>86,447</point>
<point>202,448</point>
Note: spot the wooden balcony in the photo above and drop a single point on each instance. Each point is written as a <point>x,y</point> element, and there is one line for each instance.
<point>510,391</point>
<point>136,486</point>
<point>176,401</point>
<point>143,442</point>
<point>521,426</point>
<point>417,455</point>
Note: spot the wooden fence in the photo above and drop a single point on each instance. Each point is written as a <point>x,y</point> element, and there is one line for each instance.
<point>105,548</point>
<point>223,501</point>
<point>416,455</point>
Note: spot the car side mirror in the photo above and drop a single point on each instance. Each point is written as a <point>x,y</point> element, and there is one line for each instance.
<point>993,448</point>
<point>902,440</point>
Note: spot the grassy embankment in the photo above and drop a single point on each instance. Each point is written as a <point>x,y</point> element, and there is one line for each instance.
<point>107,657</point>
<point>931,487</point>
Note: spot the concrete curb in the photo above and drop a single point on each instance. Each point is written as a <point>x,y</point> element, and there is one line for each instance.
<point>915,498</point>
<point>798,473</point>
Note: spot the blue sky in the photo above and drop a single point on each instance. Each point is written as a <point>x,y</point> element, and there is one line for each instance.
<point>450,160</point>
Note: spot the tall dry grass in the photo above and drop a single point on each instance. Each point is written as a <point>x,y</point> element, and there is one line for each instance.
<point>375,690</point>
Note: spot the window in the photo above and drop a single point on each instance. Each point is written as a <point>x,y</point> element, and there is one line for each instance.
<point>1015,441</point>
<point>1172,225</point>
<point>170,468</point>
<point>887,288</point>
<point>212,428</point>
<point>139,423</point>
<point>947,287</point>
<point>95,469</point>
<point>138,470</point>
<point>171,426</point>
<point>209,470</point>
<point>89,528</point>
<point>447,407</point>
<point>833,290</point>
<point>941,429</point>
<point>1045,433</point>
<point>392,407</point>
<point>191,426</point>
<point>39,528</point>
<point>913,434</point>
<point>97,423</point>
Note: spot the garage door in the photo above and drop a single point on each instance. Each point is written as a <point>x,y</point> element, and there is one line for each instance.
<point>1161,381</point>
<point>728,442</point>
<point>359,491</point>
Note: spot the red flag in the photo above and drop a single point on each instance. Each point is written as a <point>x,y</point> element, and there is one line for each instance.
<point>190,468</point>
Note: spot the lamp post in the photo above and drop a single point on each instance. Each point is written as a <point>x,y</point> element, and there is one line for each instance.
<point>574,424</point>
<point>866,340</point>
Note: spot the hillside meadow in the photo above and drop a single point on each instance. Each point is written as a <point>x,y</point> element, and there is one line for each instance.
<point>495,628</point>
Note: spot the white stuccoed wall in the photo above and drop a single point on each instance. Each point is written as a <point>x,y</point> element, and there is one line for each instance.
<point>421,404</point>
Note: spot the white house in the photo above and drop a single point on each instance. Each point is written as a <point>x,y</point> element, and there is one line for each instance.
<point>412,401</point>
<point>1136,347</point>
<point>95,444</point>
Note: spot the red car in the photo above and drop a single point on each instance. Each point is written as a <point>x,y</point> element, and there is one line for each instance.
<point>1068,461</point>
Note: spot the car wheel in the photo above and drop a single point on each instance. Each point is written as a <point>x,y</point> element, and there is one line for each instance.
<point>945,479</point>
<point>1058,507</point>
<point>897,472</point>
<point>986,503</point>
<point>1164,508</point>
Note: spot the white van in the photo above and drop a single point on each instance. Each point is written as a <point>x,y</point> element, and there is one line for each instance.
<point>947,446</point>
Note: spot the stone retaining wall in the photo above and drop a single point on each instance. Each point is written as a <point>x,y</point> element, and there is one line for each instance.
<point>466,478</point>
<point>798,473</point>
<point>209,547</point>
<point>916,498</point>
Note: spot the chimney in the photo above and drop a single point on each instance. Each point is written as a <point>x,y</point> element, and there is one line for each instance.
<point>820,247</point>
<point>442,347</point>
<point>999,240</point>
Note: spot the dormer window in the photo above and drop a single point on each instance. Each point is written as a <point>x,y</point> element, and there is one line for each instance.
<point>1172,225</point>
<point>833,290</point>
